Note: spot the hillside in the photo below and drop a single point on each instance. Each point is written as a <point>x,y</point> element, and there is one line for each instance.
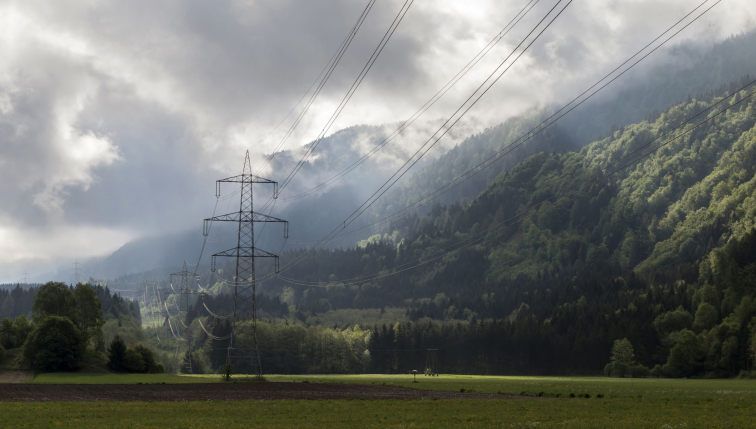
<point>651,87</point>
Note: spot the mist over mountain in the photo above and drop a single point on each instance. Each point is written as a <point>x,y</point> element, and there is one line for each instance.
<point>684,70</point>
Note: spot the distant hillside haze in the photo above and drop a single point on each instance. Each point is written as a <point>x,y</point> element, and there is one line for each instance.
<point>640,94</point>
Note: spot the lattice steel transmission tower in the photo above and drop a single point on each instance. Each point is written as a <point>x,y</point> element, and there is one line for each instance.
<point>76,276</point>
<point>431,362</point>
<point>245,253</point>
<point>186,279</point>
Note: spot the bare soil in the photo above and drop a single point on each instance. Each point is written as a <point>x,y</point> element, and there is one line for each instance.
<point>219,391</point>
<point>11,376</point>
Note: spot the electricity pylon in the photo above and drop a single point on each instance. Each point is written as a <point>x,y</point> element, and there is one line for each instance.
<point>186,278</point>
<point>431,362</point>
<point>76,277</point>
<point>245,252</point>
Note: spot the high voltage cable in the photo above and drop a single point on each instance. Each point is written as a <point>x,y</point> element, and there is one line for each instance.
<point>331,67</point>
<point>355,85</point>
<point>310,87</point>
<point>441,92</point>
<point>327,238</point>
<point>376,53</point>
<point>535,130</point>
<point>520,216</point>
<point>480,89</point>
<point>540,127</point>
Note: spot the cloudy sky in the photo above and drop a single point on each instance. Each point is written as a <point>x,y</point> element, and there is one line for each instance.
<point>117,116</point>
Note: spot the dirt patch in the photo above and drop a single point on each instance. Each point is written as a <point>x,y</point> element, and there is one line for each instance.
<point>220,391</point>
<point>11,376</point>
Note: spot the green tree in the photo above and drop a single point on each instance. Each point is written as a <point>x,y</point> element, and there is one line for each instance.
<point>622,360</point>
<point>685,356</point>
<point>117,354</point>
<point>7,332</point>
<point>148,357</point>
<point>623,353</point>
<point>89,312</point>
<point>54,299</point>
<point>133,361</point>
<point>55,344</point>
<point>7,306</point>
<point>673,321</point>
<point>21,328</point>
<point>706,317</point>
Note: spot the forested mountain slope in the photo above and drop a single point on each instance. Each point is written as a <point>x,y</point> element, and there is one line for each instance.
<point>684,71</point>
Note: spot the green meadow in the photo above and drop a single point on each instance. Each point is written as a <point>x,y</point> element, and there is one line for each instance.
<point>597,403</point>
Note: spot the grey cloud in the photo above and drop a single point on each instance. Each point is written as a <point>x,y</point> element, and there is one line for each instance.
<point>118,116</point>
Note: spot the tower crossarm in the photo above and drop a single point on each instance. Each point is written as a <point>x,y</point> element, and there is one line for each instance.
<point>244,217</point>
<point>244,252</point>
<point>246,179</point>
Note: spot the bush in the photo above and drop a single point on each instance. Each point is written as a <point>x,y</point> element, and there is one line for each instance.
<point>55,344</point>
<point>117,354</point>
<point>2,353</point>
<point>159,368</point>
<point>133,361</point>
<point>616,369</point>
<point>658,371</point>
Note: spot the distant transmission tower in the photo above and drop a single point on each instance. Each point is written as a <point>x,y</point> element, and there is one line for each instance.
<point>431,362</point>
<point>26,278</point>
<point>76,274</point>
<point>186,279</point>
<point>245,253</point>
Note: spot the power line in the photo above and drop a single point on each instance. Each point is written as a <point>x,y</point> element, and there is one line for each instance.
<point>535,130</point>
<point>331,67</point>
<point>481,90</point>
<point>376,53</point>
<point>437,96</point>
<point>546,203</point>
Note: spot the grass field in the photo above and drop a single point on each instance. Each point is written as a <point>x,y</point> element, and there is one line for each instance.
<point>626,403</point>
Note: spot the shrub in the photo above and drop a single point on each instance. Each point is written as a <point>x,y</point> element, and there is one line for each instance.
<point>658,371</point>
<point>116,354</point>
<point>2,353</point>
<point>159,368</point>
<point>55,344</point>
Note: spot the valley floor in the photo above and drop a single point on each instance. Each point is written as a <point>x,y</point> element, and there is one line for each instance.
<point>597,402</point>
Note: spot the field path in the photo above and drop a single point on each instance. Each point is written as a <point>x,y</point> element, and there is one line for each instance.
<point>219,391</point>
